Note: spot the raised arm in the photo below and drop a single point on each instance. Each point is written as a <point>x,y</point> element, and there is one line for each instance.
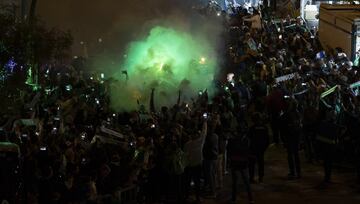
<point>179,97</point>
<point>152,105</point>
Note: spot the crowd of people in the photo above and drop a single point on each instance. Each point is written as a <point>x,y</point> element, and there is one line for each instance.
<point>282,88</point>
<point>309,95</point>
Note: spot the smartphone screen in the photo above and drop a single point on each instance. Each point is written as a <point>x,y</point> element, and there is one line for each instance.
<point>205,115</point>
<point>68,88</point>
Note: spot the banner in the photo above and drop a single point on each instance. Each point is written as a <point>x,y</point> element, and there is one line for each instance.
<point>355,85</point>
<point>328,92</point>
<point>355,88</point>
<point>286,77</point>
<point>28,122</point>
<point>111,132</point>
<point>109,136</point>
<point>301,92</point>
<point>108,140</point>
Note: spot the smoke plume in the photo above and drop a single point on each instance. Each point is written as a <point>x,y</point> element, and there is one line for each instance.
<point>161,44</point>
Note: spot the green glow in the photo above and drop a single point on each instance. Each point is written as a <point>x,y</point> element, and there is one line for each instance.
<point>168,60</point>
<point>29,80</point>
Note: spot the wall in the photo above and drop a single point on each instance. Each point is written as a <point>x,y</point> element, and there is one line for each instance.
<point>336,31</point>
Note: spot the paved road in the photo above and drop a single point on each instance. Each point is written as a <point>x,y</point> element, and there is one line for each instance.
<point>278,190</point>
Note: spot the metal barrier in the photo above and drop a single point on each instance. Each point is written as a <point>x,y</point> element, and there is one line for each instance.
<point>127,195</point>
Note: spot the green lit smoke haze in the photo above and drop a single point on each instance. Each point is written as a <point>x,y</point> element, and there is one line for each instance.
<point>168,60</point>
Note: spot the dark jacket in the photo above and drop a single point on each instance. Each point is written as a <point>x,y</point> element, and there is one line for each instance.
<point>328,133</point>
<point>259,138</point>
<point>290,129</point>
<point>211,147</point>
<point>238,152</point>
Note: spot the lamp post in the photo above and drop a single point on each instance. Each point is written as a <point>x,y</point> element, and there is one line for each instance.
<point>85,50</point>
<point>32,10</point>
<point>23,9</point>
<point>33,69</point>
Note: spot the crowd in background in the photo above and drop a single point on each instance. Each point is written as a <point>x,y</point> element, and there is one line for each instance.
<point>75,149</point>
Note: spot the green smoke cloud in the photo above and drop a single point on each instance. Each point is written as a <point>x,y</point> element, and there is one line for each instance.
<point>168,60</point>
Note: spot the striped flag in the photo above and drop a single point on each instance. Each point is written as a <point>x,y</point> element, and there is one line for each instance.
<point>328,92</point>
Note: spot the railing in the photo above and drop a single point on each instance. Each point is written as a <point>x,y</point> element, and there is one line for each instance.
<point>127,195</point>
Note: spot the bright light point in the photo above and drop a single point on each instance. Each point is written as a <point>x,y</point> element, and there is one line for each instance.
<point>100,40</point>
<point>75,57</point>
<point>230,77</point>
<point>202,60</point>
<point>102,75</point>
<point>218,14</point>
<point>82,42</point>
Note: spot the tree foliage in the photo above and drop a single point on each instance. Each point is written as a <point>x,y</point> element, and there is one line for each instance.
<point>28,45</point>
<point>31,43</point>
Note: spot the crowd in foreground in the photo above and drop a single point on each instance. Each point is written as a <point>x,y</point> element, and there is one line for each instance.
<point>282,88</point>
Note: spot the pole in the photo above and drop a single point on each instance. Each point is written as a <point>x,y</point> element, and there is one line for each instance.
<point>32,10</point>
<point>33,65</point>
<point>23,9</point>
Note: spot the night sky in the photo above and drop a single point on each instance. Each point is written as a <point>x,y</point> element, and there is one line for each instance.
<point>116,22</point>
